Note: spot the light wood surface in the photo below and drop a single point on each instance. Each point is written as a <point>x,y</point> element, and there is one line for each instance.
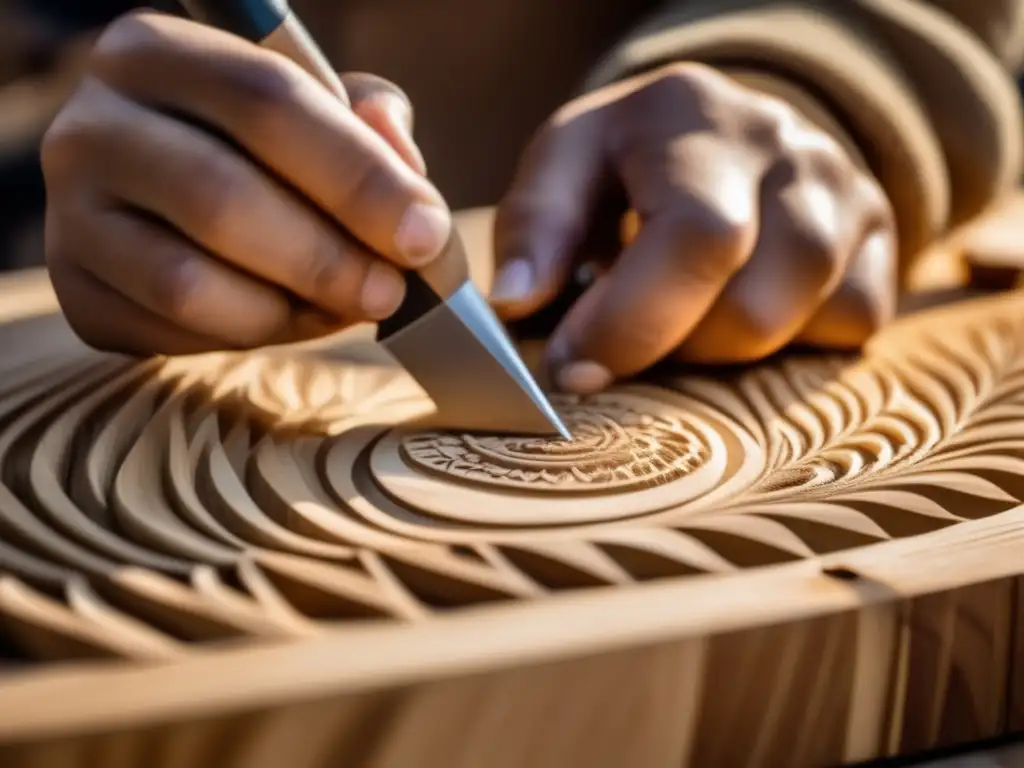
<point>262,560</point>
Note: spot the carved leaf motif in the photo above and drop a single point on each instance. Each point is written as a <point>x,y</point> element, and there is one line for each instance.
<point>937,432</point>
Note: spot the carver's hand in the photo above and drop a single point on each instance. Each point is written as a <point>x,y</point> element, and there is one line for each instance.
<point>756,229</point>
<point>204,194</point>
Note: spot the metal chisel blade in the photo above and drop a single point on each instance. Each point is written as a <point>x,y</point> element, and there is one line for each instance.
<point>461,340</point>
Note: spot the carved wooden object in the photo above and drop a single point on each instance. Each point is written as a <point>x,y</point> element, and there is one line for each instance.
<point>265,560</point>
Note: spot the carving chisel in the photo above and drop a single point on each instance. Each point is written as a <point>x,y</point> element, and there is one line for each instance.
<point>444,333</point>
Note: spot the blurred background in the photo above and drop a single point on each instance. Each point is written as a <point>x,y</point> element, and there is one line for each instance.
<point>43,44</point>
<point>471,122</point>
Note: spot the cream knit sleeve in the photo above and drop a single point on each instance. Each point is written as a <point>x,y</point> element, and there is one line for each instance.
<point>925,90</point>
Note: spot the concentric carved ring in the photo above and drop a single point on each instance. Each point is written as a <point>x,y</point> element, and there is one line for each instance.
<point>636,450</point>
<point>619,443</point>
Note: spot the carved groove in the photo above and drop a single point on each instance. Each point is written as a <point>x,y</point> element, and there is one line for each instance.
<point>262,496</point>
<point>618,445</point>
<point>149,509</point>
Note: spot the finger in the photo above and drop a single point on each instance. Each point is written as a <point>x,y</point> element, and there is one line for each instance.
<point>664,282</point>
<point>864,301</point>
<point>127,328</point>
<point>866,298</point>
<point>165,275</point>
<point>545,215</point>
<point>135,332</point>
<point>806,237</point>
<point>230,208</point>
<point>280,114</point>
<point>386,108</point>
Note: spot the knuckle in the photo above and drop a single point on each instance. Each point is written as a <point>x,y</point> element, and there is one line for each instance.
<point>806,154</point>
<point>365,85</point>
<point>679,85</point>
<point>263,92</point>
<point>777,112</point>
<point>367,186</point>
<point>828,163</point>
<point>317,271</point>
<point>60,146</point>
<point>812,220</point>
<point>67,140</point>
<point>84,134</point>
<point>720,243</point>
<point>769,123</point>
<point>686,77</point>
<point>124,39</point>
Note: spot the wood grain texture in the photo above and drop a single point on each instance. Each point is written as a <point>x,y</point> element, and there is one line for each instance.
<point>273,559</point>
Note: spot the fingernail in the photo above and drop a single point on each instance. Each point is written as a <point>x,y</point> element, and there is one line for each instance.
<point>422,233</point>
<point>583,377</point>
<point>383,290</point>
<point>514,281</point>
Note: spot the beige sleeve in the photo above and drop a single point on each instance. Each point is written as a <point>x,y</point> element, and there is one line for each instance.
<point>923,90</point>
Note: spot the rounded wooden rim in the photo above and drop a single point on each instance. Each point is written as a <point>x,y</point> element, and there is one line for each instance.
<point>480,640</point>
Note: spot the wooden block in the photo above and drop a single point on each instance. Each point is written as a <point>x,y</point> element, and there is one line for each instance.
<point>957,666</point>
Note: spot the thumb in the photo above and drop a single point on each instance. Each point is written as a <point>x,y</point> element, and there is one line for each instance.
<point>384,107</point>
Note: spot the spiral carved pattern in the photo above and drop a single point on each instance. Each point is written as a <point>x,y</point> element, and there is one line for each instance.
<point>618,444</point>
<point>145,507</point>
